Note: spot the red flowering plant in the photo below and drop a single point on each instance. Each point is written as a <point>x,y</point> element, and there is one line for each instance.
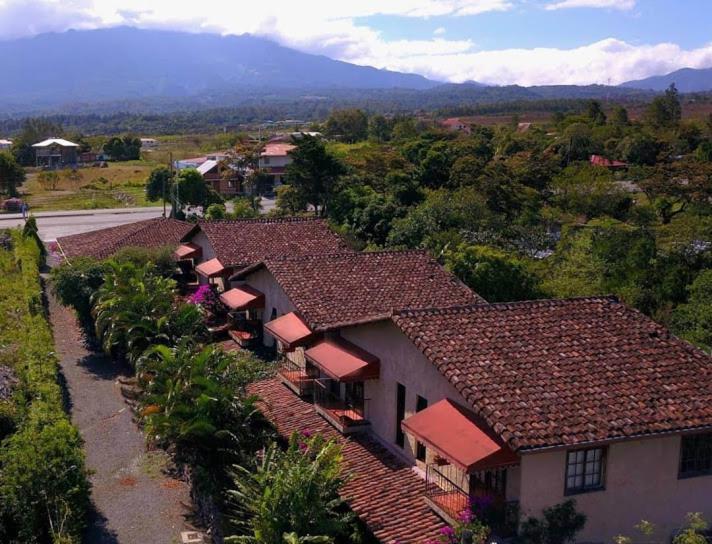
<point>467,528</point>
<point>207,299</point>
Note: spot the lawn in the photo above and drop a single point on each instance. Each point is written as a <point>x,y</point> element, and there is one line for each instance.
<point>121,184</point>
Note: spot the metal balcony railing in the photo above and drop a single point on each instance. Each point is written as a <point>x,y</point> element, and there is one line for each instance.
<point>347,412</point>
<point>297,376</point>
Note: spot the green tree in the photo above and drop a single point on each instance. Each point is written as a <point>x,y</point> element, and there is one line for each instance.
<point>693,320</point>
<point>350,125</point>
<point>379,128</point>
<point>665,111</point>
<point>292,491</point>
<point>314,172</point>
<point>190,189</point>
<point>559,525</point>
<point>574,270</point>
<point>491,273</point>
<point>619,117</point>
<point>159,184</point>
<point>595,113</point>
<point>704,151</point>
<point>290,201</point>
<point>640,149</point>
<point>11,174</point>
<point>48,180</point>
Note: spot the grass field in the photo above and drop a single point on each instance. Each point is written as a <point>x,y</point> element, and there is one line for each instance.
<point>119,185</point>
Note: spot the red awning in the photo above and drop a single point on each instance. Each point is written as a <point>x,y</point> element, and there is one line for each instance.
<point>210,268</point>
<point>290,330</point>
<point>343,361</point>
<point>187,251</point>
<point>451,431</point>
<point>243,298</point>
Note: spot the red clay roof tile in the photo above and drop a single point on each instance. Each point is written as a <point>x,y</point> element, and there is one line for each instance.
<point>565,372</point>
<point>331,291</point>
<point>103,243</point>
<point>244,242</point>
<point>382,490</point>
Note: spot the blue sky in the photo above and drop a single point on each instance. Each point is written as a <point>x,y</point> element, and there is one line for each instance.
<point>525,42</point>
<point>687,23</point>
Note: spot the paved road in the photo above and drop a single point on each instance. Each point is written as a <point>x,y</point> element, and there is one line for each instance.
<point>55,224</point>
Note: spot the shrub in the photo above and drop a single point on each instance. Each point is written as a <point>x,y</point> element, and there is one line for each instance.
<point>75,283</point>
<point>559,525</point>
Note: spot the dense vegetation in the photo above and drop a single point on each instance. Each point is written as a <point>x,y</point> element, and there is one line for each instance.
<point>44,491</point>
<point>520,213</point>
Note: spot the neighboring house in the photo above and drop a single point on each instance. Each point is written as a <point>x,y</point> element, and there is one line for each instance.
<point>103,243</point>
<point>227,247</point>
<point>195,162</point>
<point>455,124</point>
<point>5,144</point>
<point>274,160</point>
<point>222,178</point>
<point>599,160</point>
<point>56,153</point>
<point>523,127</point>
<point>149,142</point>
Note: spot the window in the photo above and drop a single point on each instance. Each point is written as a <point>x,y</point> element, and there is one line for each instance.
<point>400,413</point>
<point>696,455</point>
<point>420,404</point>
<point>584,470</point>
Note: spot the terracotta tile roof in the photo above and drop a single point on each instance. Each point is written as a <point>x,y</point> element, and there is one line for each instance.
<point>565,372</point>
<point>244,242</point>
<point>332,291</point>
<point>383,490</point>
<point>277,149</point>
<point>102,243</point>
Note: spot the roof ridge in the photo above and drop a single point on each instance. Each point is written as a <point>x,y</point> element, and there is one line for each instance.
<point>344,254</point>
<point>290,219</point>
<point>500,305</point>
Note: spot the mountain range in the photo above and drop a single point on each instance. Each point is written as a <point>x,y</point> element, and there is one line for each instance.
<point>687,80</point>
<point>129,69</point>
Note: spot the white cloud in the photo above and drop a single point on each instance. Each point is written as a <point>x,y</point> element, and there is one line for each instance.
<point>623,5</point>
<point>332,28</point>
<point>439,31</point>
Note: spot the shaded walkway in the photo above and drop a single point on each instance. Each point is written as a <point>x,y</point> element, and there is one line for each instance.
<point>134,501</point>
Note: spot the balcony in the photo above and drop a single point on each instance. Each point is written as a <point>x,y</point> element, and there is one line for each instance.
<point>346,412</point>
<point>450,492</point>
<point>296,377</point>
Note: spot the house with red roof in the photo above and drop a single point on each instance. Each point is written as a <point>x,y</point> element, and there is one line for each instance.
<point>274,160</point>
<point>600,160</point>
<point>217,249</point>
<point>103,243</point>
<point>455,124</point>
<point>515,407</point>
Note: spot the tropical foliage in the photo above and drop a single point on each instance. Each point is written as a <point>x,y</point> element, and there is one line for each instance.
<point>295,491</point>
<point>135,308</point>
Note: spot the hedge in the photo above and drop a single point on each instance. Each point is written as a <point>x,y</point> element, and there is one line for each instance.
<point>44,489</point>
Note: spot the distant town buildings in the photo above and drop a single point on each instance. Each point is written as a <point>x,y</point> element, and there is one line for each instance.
<point>56,153</point>
<point>455,124</point>
<point>599,160</point>
<point>5,144</point>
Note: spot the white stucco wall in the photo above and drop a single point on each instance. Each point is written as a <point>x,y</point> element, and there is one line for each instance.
<point>641,482</point>
<point>200,239</point>
<point>275,297</point>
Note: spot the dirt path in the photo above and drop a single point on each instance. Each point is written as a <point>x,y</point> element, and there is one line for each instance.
<point>135,503</point>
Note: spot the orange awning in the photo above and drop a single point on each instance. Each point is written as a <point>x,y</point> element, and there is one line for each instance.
<point>187,251</point>
<point>290,330</point>
<point>343,361</point>
<point>451,431</point>
<point>243,298</point>
<point>210,268</point>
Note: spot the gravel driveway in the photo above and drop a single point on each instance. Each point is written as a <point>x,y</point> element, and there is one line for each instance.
<point>134,501</point>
